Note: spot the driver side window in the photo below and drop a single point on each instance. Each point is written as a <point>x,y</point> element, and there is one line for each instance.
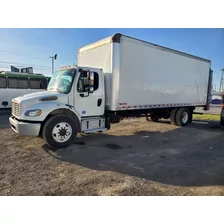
<point>83,82</point>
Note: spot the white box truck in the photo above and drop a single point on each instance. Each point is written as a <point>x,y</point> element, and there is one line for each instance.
<point>116,77</point>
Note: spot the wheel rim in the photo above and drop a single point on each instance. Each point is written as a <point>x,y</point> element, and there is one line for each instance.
<point>62,132</point>
<point>185,117</point>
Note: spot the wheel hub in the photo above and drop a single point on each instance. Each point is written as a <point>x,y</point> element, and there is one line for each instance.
<point>185,117</point>
<point>62,132</point>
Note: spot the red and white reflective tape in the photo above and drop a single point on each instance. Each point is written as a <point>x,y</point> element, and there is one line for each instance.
<point>126,107</point>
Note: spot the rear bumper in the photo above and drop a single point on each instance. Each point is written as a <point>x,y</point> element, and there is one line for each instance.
<point>24,128</point>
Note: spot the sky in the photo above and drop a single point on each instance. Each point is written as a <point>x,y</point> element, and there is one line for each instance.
<point>33,47</point>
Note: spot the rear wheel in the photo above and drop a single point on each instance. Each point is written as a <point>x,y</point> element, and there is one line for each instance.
<point>191,117</point>
<point>60,131</point>
<point>183,117</point>
<point>173,116</point>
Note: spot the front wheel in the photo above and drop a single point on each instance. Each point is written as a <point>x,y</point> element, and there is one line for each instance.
<point>60,131</point>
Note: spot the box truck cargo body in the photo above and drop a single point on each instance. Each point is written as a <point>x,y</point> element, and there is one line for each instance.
<point>144,75</point>
<point>116,77</point>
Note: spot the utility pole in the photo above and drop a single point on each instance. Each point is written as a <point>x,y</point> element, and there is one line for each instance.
<point>53,58</point>
<point>221,87</point>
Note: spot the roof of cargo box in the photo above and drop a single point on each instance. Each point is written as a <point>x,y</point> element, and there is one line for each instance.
<point>116,38</point>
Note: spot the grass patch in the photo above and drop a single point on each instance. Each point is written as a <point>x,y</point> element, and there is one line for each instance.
<point>207,117</point>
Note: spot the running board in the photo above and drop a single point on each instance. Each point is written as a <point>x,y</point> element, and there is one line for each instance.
<point>94,130</point>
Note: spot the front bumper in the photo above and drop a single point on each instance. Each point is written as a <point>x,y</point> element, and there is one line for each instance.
<point>24,128</point>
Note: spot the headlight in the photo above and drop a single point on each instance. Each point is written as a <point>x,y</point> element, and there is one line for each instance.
<point>33,113</point>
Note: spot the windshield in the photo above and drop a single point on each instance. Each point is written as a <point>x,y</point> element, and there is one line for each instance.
<point>62,80</point>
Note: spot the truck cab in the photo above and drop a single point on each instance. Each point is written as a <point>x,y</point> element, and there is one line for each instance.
<point>74,102</point>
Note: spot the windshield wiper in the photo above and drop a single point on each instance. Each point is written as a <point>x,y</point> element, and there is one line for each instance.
<point>55,89</point>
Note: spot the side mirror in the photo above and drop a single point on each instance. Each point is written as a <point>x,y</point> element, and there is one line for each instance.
<point>91,82</point>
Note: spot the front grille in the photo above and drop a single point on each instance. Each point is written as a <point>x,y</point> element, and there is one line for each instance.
<point>15,109</point>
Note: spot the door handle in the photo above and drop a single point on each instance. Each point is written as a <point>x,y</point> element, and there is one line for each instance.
<point>99,102</point>
<point>83,95</point>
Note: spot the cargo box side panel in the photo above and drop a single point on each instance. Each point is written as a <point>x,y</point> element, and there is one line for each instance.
<point>99,56</point>
<point>151,76</point>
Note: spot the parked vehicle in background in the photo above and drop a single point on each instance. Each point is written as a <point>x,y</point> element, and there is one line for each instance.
<point>116,77</point>
<point>222,117</point>
<point>14,84</point>
<point>222,111</point>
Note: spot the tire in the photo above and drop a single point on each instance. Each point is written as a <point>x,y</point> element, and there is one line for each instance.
<point>173,116</point>
<point>191,117</point>
<point>183,117</point>
<point>64,124</point>
<point>154,118</point>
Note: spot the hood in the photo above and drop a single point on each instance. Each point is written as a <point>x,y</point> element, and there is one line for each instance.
<point>40,100</point>
<point>45,97</point>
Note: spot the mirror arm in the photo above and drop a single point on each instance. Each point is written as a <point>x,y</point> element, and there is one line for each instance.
<point>91,82</point>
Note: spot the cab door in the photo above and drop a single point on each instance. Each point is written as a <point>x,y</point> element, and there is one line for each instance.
<point>89,99</point>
